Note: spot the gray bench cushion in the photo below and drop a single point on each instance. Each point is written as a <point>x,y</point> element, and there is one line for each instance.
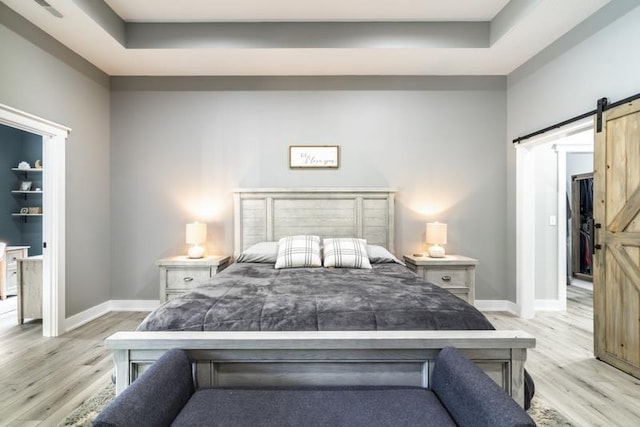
<point>472,398</point>
<point>156,398</point>
<point>320,406</point>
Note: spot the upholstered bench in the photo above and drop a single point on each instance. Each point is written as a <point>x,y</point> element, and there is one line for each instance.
<point>460,394</point>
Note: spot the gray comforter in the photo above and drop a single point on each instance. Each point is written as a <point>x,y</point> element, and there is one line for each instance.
<point>257,297</point>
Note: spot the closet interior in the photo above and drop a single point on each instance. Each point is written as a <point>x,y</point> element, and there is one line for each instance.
<point>582,225</point>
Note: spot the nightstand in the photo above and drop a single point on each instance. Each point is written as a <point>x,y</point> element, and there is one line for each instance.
<point>455,273</point>
<point>180,274</point>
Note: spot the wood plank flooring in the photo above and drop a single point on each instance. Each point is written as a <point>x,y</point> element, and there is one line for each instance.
<point>567,376</point>
<point>8,312</point>
<point>42,380</point>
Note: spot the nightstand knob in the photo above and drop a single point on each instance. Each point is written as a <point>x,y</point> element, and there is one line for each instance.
<point>446,278</point>
<point>188,279</point>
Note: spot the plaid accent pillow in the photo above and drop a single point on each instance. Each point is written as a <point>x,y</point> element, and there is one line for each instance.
<point>298,251</point>
<point>346,253</point>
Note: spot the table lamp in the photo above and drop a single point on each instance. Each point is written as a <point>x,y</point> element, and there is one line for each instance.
<point>196,235</point>
<point>436,236</point>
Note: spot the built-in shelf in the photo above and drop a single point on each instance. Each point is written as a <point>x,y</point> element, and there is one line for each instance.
<point>27,193</point>
<point>25,217</point>
<point>27,170</point>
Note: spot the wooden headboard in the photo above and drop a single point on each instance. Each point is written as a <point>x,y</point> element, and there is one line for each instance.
<point>268,214</point>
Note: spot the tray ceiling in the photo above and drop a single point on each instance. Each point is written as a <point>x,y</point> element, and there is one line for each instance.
<point>295,37</point>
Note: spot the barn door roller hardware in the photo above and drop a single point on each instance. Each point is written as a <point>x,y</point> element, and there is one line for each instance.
<point>602,105</point>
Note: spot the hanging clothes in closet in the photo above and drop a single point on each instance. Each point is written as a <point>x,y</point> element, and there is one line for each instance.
<point>582,218</point>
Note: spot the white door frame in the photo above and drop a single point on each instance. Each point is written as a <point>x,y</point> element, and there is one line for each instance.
<point>562,148</point>
<point>525,216</point>
<point>54,138</point>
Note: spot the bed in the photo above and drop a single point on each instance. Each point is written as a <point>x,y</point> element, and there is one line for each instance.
<point>254,325</point>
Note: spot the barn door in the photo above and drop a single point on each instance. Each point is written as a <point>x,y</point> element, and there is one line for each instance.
<point>616,287</point>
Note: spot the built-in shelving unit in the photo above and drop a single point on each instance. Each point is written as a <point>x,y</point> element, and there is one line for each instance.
<point>28,196</point>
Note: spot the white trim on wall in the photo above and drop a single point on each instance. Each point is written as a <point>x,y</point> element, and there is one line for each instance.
<point>551,304</point>
<point>562,148</point>
<point>525,234</point>
<point>94,312</point>
<point>496,305</point>
<point>525,216</point>
<point>53,208</point>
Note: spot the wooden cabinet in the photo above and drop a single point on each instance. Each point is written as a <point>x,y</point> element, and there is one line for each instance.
<point>8,269</point>
<point>180,274</point>
<point>29,288</point>
<point>455,273</point>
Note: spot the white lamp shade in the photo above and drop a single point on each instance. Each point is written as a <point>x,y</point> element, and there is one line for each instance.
<point>436,233</point>
<point>196,233</point>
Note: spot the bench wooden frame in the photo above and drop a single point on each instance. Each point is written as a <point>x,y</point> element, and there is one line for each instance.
<point>323,358</point>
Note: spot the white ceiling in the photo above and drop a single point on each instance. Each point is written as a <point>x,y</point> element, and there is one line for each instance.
<point>305,10</point>
<point>516,31</point>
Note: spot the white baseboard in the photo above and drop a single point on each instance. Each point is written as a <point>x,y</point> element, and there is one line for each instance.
<point>549,305</point>
<point>86,316</point>
<point>496,305</point>
<point>94,312</point>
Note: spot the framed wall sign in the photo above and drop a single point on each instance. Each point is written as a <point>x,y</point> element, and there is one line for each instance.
<point>314,156</point>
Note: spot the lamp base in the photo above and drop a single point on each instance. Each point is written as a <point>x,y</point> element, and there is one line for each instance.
<point>195,251</point>
<point>436,251</point>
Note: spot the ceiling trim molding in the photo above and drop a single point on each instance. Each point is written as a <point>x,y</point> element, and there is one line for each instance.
<point>315,83</point>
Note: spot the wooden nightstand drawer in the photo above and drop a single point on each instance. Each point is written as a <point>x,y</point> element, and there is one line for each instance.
<point>180,274</point>
<point>448,277</point>
<point>455,273</point>
<point>186,278</point>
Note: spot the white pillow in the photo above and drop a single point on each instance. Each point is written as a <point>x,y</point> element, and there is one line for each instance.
<point>265,252</point>
<point>298,251</point>
<point>346,253</point>
<point>379,255</point>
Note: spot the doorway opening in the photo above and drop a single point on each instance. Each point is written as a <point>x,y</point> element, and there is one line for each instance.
<point>542,218</point>
<point>20,226</point>
<point>53,212</point>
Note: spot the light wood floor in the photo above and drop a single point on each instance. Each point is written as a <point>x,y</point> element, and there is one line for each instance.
<point>42,380</point>
<point>8,312</point>
<point>567,376</point>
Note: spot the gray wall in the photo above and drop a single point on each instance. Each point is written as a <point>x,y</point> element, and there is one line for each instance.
<point>178,143</point>
<point>40,76</point>
<point>31,229</point>
<point>17,146</point>
<point>10,148</point>
<point>566,81</point>
<point>577,163</point>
